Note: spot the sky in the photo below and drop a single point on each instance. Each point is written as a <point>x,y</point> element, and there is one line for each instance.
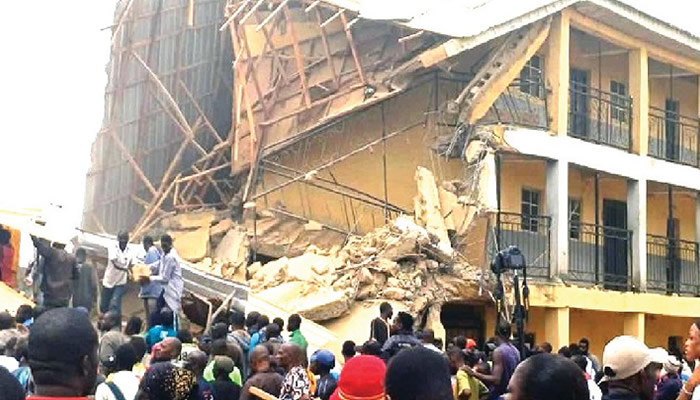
<point>52,80</point>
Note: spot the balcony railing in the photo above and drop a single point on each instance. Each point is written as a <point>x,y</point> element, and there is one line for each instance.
<point>673,137</point>
<point>600,255</point>
<point>672,265</point>
<point>531,235</point>
<point>600,117</point>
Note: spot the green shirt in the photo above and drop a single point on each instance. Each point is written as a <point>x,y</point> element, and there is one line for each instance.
<point>298,339</point>
<point>235,375</point>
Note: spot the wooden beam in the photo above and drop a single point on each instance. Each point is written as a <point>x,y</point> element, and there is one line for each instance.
<point>299,58</point>
<point>132,162</point>
<point>190,13</point>
<point>327,49</point>
<point>153,207</point>
<point>234,15</point>
<point>353,49</point>
<point>122,17</point>
<point>599,29</point>
<point>164,90</point>
<point>97,222</point>
<point>207,122</point>
<point>271,15</point>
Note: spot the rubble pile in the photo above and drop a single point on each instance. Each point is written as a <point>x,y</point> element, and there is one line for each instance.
<point>400,262</point>
<point>319,272</point>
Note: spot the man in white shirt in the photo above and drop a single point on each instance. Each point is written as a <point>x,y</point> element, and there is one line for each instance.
<point>122,381</point>
<point>169,275</point>
<point>116,274</point>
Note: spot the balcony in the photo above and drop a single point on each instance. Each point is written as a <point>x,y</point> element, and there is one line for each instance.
<point>600,117</point>
<point>523,103</point>
<point>531,235</point>
<point>673,137</point>
<point>600,255</point>
<point>672,266</point>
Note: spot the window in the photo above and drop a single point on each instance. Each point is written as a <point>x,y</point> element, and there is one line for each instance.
<point>531,77</point>
<point>574,218</point>
<point>530,209</point>
<point>619,101</point>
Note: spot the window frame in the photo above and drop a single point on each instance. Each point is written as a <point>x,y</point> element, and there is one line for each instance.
<point>619,101</point>
<point>575,225</point>
<point>531,77</point>
<point>529,220</point>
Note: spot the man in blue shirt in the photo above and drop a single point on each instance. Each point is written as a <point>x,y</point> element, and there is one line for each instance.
<point>164,329</point>
<point>151,291</point>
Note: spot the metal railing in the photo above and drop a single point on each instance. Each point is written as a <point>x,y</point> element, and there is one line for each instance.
<point>531,234</point>
<point>674,137</point>
<point>672,265</point>
<point>600,117</point>
<point>601,255</point>
<point>524,102</point>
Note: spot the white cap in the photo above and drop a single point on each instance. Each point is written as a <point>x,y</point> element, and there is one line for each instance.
<point>624,356</point>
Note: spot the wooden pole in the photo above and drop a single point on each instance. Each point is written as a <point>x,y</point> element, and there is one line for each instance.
<point>327,49</point>
<point>132,162</point>
<point>353,49</point>
<point>298,57</point>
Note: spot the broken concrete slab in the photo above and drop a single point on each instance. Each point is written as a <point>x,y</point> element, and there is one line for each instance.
<point>222,227</point>
<point>191,245</point>
<point>427,207</point>
<point>191,220</point>
<point>234,247</point>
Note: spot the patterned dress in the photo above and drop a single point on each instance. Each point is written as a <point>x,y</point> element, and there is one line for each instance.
<point>295,384</point>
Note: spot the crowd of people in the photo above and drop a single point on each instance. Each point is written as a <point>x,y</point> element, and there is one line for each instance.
<point>58,353</point>
<point>54,350</point>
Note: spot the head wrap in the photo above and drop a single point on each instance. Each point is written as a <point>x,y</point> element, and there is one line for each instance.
<point>165,381</point>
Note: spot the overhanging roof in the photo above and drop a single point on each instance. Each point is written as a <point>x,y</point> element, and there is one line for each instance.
<point>483,20</point>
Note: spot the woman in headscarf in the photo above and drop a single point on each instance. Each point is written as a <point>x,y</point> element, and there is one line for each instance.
<point>165,381</point>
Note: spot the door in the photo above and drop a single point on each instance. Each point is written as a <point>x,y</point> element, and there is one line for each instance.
<point>672,129</point>
<point>579,99</point>
<point>615,245</point>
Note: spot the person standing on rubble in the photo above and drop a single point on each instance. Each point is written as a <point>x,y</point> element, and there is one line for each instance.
<point>151,291</point>
<point>169,276</point>
<point>380,328</point>
<point>114,281</point>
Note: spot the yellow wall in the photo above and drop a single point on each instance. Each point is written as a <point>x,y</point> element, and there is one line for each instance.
<point>660,327</point>
<point>364,171</point>
<point>683,210</point>
<point>598,326</point>
<point>582,187</point>
<point>519,174</point>
<point>684,91</point>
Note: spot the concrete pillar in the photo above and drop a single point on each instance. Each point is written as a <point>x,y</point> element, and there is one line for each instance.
<point>557,73</point>
<point>557,207</point>
<point>556,327</point>
<point>639,91</point>
<point>634,325</point>
<point>637,223</point>
<point>697,217</point>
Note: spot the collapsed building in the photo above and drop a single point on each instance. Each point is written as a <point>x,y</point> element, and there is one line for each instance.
<point>333,153</point>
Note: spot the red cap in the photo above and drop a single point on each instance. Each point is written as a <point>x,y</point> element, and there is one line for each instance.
<point>362,378</point>
<point>471,344</point>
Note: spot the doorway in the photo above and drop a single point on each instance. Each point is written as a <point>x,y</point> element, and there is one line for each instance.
<point>461,319</point>
<point>615,244</point>
<point>579,99</point>
<point>672,126</point>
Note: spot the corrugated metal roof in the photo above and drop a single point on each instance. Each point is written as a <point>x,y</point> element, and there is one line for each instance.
<point>489,19</point>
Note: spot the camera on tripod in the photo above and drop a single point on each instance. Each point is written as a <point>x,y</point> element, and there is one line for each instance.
<point>509,259</point>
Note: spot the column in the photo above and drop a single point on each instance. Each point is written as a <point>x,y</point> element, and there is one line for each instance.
<point>639,91</point>
<point>697,217</point>
<point>556,327</point>
<point>557,207</point>
<point>557,73</point>
<point>637,223</point>
<point>634,325</point>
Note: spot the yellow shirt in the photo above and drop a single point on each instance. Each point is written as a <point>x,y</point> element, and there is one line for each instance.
<point>464,382</point>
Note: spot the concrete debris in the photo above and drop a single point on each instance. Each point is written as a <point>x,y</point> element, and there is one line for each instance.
<point>192,245</point>
<point>321,273</point>
<point>187,221</point>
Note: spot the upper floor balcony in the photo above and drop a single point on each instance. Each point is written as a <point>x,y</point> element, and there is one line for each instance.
<point>599,116</point>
